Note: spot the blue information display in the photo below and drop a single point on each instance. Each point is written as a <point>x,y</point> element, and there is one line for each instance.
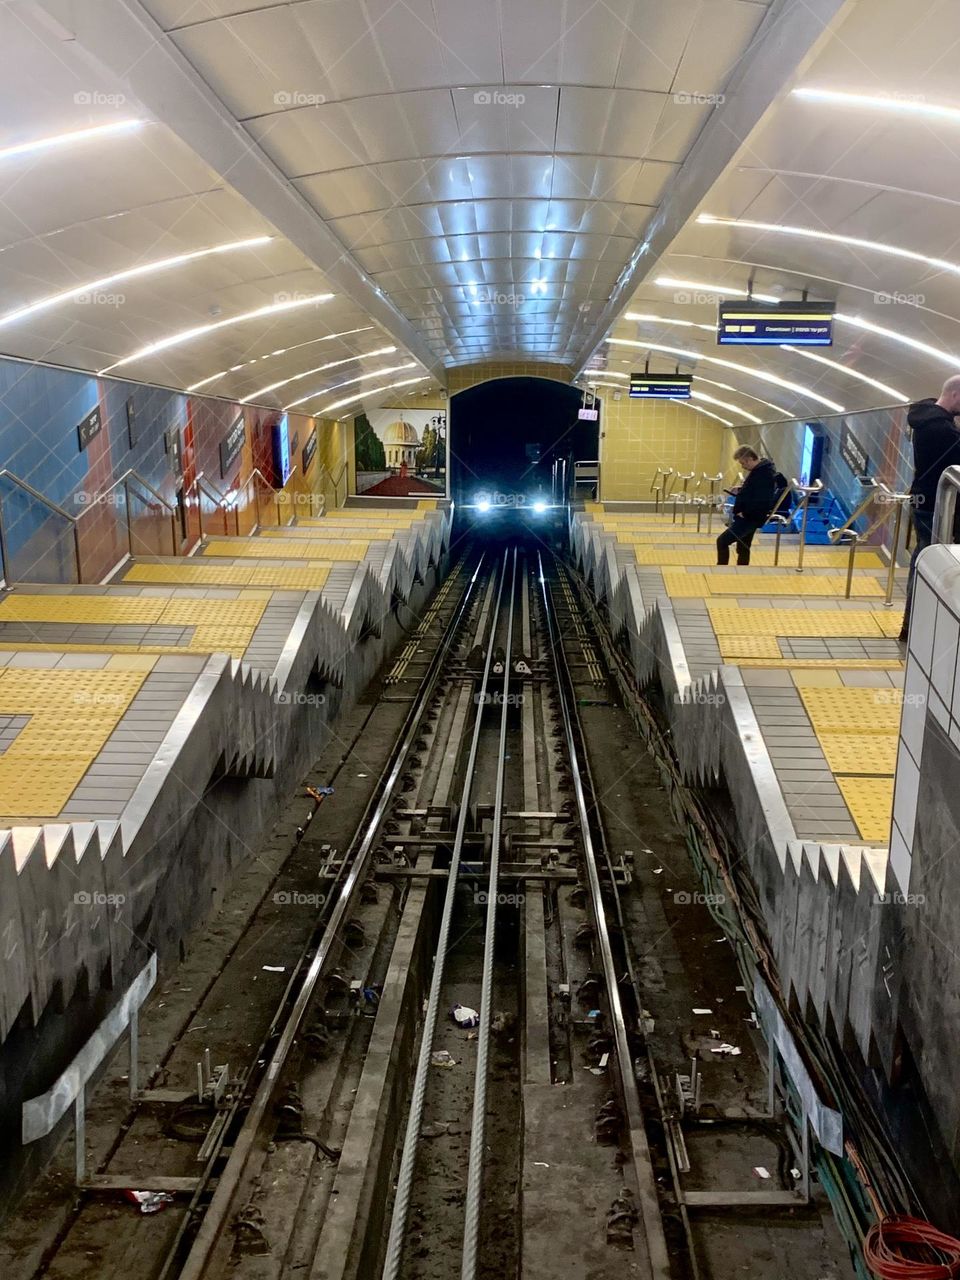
<point>281,451</point>
<point>750,324</point>
<point>660,386</point>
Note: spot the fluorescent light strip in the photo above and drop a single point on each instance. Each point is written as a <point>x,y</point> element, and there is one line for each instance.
<point>724,404</point>
<point>935,353</point>
<point>200,331</point>
<point>687,405</point>
<point>332,364</point>
<point>737,391</point>
<point>831,237</point>
<point>281,351</point>
<point>370,391</point>
<point>732,364</point>
<point>879,102</point>
<point>132,273</point>
<point>349,382</point>
<point>720,291</point>
<point>853,373</point>
<point>65,139</point>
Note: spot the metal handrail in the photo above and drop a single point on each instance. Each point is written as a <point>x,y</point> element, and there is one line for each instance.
<point>945,509</point>
<point>836,534</point>
<point>55,507</point>
<point>99,498</point>
<point>781,521</point>
<point>661,489</point>
<point>845,534</point>
<point>223,501</point>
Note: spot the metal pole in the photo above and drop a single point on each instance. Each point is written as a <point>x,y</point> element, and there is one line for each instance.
<point>710,514</point>
<point>891,572</point>
<point>134,1073</point>
<point>699,516</point>
<point>803,533</point>
<point>776,546</point>
<point>854,543</point>
<point>80,1132</point>
<point>656,500</point>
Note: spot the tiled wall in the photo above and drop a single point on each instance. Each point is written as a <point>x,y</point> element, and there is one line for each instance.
<point>40,411</point>
<point>462,377</point>
<point>637,436</point>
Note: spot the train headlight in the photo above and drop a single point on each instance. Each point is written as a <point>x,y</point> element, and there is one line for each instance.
<point>539,508</point>
<point>483,505</point>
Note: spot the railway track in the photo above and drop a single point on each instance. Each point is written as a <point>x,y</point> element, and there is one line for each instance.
<point>454,1082</point>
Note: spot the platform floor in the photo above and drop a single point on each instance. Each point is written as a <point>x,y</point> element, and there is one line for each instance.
<point>824,674</point>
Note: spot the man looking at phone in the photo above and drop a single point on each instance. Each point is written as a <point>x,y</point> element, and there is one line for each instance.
<point>753,500</point>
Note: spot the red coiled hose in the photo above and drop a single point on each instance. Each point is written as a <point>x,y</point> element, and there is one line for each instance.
<point>905,1248</point>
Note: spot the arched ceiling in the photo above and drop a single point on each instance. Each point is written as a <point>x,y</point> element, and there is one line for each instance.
<point>430,183</point>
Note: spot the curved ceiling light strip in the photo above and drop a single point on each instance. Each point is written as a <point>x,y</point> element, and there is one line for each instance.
<point>878,102</point>
<point>935,353</point>
<point>832,237</point>
<point>724,404</point>
<point>349,382</point>
<point>370,391</point>
<point>131,273</point>
<point>894,394</point>
<point>201,330</point>
<point>796,387</point>
<point>687,405</point>
<point>280,351</point>
<point>331,364</point>
<point>697,395</point>
<point>67,139</point>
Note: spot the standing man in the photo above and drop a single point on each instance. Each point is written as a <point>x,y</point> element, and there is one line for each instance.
<point>936,446</point>
<point>752,503</point>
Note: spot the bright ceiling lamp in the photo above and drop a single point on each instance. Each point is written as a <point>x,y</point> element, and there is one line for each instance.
<point>724,404</point>
<point>905,105</point>
<point>832,237</point>
<point>321,368</point>
<point>370,391</point>
<point>696,409</point>
<point>280,351</point>
<point>732,364</point>
<point>934,352</point>
<point>67,139</point>
<point>201,330</point>
<point>717,290</point>
<point>645,317</point>
<point>349,382</point>
<point>131,273</point>
<point>738,391</point>
<point>853,373</point>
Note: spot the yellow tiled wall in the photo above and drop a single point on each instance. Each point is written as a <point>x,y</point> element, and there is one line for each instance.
<point>470,375</point>
<point>640,435</point>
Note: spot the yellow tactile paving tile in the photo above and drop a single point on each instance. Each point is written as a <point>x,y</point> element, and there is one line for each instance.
<point>818,558</point>
<point>373,532</point>
<point>72,713</point>
<point>794,622</point>
<point>890,620</point>
<point>398,519</point>
<point>310,578</point>
<point>733,647</point>
<point>285,549</point>
<point>683,586</point>
<point>858,729</point>
<point>837,664</point>
<point>220,626</point>
<point>870,801</point>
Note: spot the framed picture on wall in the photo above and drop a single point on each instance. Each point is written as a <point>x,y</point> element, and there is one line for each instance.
<point>131,421</point>
<point>231,446</point>
<point>171,443</point>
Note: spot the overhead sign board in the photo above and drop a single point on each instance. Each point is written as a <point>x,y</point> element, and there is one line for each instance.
<point>755,324</point>
<point>309,451</point>
<point>231,446</point>
<point>660,386</point>
<point>589,415</point>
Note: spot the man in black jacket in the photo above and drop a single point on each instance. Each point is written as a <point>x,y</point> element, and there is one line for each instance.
<point>753,501</point>
<point>936,446</point>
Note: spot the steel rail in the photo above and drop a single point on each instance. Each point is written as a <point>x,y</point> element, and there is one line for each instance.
<point>471,1228</point>
<point>401,1206</point>
<point>217,1213</point>
<point>650,1217</point>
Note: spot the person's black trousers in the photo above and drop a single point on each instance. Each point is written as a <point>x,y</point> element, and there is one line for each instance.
<point>741,532</point>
